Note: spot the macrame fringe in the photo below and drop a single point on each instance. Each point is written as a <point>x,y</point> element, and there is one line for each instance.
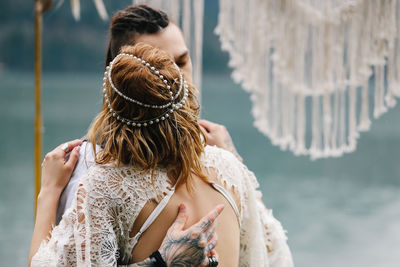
<point>314,68</point>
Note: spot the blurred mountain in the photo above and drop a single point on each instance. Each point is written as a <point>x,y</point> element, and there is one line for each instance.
<point>70,45</point>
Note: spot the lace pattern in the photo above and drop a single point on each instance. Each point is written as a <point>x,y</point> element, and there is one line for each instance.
<point>262,238</point>
<point>95,230</point>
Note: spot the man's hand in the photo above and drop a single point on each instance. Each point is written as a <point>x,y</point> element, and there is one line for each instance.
<point>219,136</point>
<point>193,246</point>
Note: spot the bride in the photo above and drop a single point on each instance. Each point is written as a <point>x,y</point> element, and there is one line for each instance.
<point>152,158</point>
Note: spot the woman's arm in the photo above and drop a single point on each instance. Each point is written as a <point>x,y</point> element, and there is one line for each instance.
<point>56,172</point>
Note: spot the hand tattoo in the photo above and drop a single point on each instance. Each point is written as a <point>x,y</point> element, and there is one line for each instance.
<point>182,248</point>
<point>190,249</point>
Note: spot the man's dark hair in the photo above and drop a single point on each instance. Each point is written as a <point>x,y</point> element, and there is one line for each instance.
<point>128,23</point>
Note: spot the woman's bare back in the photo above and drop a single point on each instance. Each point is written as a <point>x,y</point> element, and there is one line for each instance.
<point>202,199</point>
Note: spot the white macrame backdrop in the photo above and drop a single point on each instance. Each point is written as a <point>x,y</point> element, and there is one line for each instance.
<point>314,69</point>
<point>188,14</point>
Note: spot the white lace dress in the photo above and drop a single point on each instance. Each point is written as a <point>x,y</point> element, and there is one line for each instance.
<point>94,231</point>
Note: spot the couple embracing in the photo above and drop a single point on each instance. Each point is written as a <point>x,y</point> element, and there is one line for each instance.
<point>152,185</point>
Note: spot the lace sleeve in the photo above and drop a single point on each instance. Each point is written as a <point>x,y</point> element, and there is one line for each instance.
<point>273,235</point>
<point>262,238</point>
<point>279,254</point>
<point>86,236</point>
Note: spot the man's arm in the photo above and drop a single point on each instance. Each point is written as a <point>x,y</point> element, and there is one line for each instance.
<point>55,176</point>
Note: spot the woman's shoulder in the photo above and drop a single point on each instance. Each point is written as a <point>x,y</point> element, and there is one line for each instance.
<point>228,170</point>
<point>216,155</point>
<point>228,164</point>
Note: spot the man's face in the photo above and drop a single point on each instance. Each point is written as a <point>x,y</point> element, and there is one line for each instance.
<point>170,39</point>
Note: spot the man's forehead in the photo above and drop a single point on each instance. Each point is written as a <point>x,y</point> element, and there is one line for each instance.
<point>169,39</point>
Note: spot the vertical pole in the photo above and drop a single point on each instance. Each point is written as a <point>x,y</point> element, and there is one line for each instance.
<point>38,107</point>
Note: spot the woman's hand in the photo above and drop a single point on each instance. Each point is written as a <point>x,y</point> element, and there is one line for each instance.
<point>193,246</point>
<point>56,172</point>
<point>57,169</point>
<point>219,136</point>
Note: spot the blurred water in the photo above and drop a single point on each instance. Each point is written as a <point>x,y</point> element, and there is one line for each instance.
<point>338,212</point>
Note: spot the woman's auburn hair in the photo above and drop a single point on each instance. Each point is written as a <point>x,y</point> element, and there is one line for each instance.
<point>174,143</point>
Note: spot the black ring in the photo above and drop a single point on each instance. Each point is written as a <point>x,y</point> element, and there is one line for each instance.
<point>157,259</point>
<point>212,262</point>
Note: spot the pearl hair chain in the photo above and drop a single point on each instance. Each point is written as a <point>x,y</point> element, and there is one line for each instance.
<point>163,116</point>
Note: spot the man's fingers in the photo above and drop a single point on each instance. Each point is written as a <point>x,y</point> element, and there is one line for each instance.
<point>203,242</point>
<point>211,259</point>
<point>206,133</point>
<point>212,243</point>
<point>181,218</point>
<point>208,125</point>
<point>210,231</point>
<point>207,220</point>
<point>73,158</point>
<point>204,130</point>
<point>214,253</point>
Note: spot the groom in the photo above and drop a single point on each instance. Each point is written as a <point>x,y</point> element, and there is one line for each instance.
<point>141,23</point>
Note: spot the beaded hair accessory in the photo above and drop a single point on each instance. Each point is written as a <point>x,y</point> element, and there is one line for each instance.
<point>171,106</point>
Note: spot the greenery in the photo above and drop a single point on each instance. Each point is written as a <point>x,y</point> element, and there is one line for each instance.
<point>70,45</point>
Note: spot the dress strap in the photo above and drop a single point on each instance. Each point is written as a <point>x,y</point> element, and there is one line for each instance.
<point>163,203</point>
<point>229,198</point>
<point>153,215</point>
